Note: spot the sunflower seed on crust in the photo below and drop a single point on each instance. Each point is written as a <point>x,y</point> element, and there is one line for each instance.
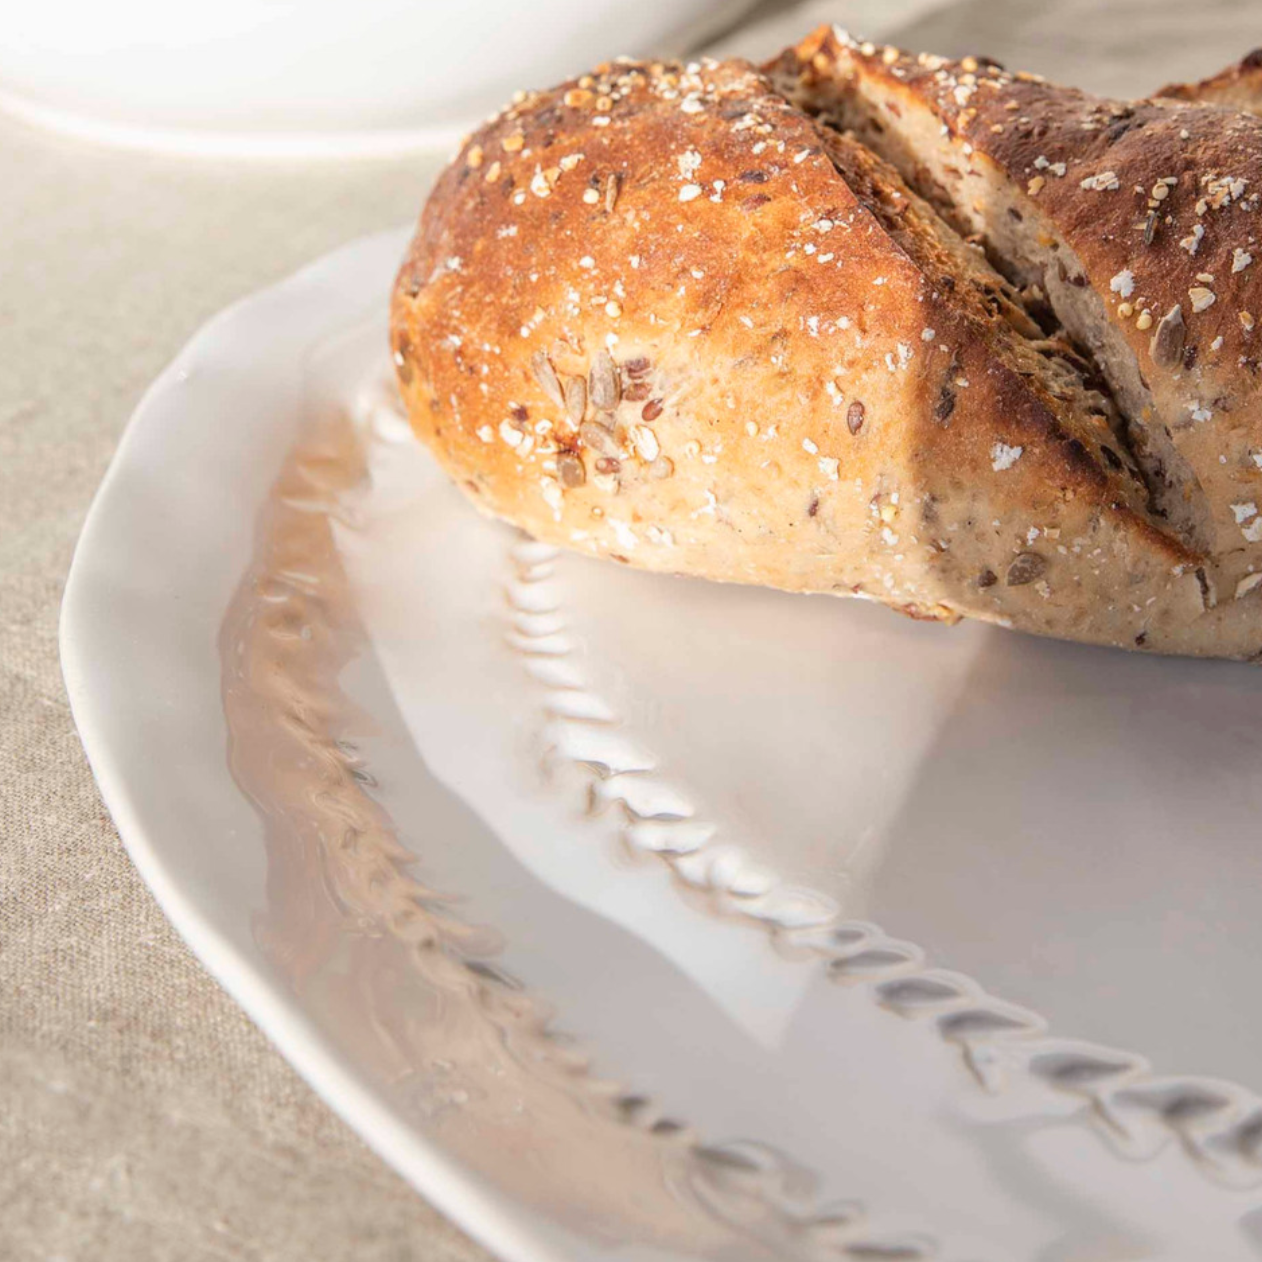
<point>1166,346</point>
<point>599,439</point>
<point>546,376</point>
<point>575,399</point>
<point>570,470</point>
<point>603,384</point>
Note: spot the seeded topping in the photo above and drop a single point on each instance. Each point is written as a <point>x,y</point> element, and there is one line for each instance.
<point>545,375</point>
<point>1026,568</point>
<point>1123,283</point>
<point>575,399</point>
<point>570,470</point>
<point>1202,299</point>
<point>627,253</point>
<point>603,385</point>
<point>600,439</point>
<point>646,444</point>
<point>1192,242</point>
<point>1003,456</point>
<point>1166,347</point>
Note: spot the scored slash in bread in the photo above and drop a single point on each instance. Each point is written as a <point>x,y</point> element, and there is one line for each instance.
<point>1136,222</point>
<point>663,315</point>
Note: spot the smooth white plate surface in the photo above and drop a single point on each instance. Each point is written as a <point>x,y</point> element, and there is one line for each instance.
<point>639,917</point>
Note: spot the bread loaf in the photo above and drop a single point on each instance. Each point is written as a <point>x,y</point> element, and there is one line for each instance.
<point>1239,87</point>
<point>665,315</point>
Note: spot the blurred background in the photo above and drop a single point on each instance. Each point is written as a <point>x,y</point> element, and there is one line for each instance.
<point>324,76</point>
<point>157,161</point>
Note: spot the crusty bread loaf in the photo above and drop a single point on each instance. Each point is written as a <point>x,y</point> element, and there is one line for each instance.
<point>662,314</point>
<point>1238,87</point>
<point>1137,222</point>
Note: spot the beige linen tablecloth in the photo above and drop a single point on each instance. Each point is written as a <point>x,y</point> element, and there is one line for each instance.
<point>142,1117</point>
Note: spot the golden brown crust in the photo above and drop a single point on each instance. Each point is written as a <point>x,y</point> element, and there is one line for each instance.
<point>1157,204</point>
<point>660,314</point>
<point>1238,87</point>
<point>1095,165</point>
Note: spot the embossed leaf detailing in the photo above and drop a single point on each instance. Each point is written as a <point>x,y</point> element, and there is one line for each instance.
<point>1219,1125</point>
<point>755,1190</point>
<point>289,694</point>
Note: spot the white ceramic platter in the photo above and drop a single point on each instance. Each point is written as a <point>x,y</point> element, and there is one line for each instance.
<point>641,918</point>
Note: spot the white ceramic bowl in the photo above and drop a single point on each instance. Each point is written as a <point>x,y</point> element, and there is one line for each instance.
<point>325,75</point>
